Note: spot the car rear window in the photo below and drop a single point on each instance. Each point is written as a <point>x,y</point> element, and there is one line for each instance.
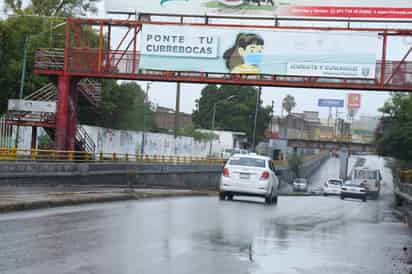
<point>300,181</point>
<point>366,174</point>
<point>335,182</point>
<point>246,161</point>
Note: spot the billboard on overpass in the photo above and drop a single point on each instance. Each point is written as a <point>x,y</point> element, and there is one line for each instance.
<point>354,100</point>
<point>342,54</point>
<point>335,103</point>
<point>269,8</point>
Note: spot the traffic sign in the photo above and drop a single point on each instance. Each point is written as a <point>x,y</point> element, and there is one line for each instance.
<point>336,103</point>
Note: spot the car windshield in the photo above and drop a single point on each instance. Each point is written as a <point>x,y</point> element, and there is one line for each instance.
<point>247,161</point>
<point>366,174</point>
<point>300,181</point>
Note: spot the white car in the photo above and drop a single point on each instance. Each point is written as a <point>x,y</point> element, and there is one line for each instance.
<point>300,184</point>
<point>352,190</point>
<point>332,187</point>
<point>249,175</point>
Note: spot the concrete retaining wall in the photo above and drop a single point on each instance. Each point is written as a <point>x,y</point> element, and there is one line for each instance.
<point>115,174</point>
<point>188,176</point>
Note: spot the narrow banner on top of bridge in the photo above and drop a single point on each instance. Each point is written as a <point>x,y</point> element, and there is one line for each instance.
<point>342,54</point>
<point>269,8</point>
<point>354,100</point>
<point>336,103</point>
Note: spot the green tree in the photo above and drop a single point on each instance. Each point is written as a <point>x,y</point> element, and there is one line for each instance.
<point>122,107</point>
<point>62,8</point>
<point>13,33</point>
<point>34,24</point>
<point>288,103</point>
<point>122,104</point>
<point>393,136</point>
<point>235,110</point>
<point>295,163</point>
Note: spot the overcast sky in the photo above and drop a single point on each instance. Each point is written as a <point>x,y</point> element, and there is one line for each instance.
<point>163,94</point>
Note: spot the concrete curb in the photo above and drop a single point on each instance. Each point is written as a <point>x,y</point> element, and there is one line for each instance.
<point>107,197</point>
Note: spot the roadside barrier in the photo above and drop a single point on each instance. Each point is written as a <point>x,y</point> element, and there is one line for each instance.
<point>13,154</point>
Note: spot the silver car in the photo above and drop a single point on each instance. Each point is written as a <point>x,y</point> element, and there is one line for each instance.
<point>300,184</point>
<point>249,175</point>
<point>352,190</point>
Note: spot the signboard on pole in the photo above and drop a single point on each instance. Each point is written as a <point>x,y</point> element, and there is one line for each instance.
<point>268,8</point>
<point>332,103</point>
<point>342,54</point>
<point>32,106</point>
<point>354,100</point>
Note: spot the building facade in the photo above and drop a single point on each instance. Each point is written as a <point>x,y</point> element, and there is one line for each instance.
<point>165,119</point>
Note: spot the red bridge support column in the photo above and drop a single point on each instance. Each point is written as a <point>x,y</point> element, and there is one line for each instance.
<point>72,116</point>
<point>62,112</point>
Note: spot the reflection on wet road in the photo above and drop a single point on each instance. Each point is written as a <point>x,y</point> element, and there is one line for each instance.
<point>204,235</point>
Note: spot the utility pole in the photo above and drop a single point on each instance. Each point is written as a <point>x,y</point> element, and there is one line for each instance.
<point>271,117</point>
<point>22,80</point>
<point>330,117</point>
<point>145,100</point>
<point>213,116</point>
<point>256,116</point>
<point>213,127</point>
<point>177,108</point>
<point>336,124</point>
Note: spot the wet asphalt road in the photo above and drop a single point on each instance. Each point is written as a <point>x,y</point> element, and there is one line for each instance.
<point>204,235</point>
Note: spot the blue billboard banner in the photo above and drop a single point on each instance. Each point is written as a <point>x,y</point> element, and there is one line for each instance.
<point>336,103</point>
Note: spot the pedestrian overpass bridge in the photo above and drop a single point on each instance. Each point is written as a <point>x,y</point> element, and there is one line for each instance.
<point>331,144</point>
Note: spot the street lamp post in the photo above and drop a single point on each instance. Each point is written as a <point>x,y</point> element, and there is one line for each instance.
<point>24,65</point>
<point>145,99</point>
<point>256,116</point>
<point>214,118</point>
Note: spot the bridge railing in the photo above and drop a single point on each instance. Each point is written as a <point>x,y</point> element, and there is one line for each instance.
<point>405,188</point>
<point>13,154</point>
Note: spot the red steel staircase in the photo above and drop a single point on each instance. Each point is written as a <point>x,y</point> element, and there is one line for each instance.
<point>89,89</point>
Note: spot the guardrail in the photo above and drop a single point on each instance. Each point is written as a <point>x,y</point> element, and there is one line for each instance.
<point>13,154</point>
<point>405,188</point>
<point>47,155</point>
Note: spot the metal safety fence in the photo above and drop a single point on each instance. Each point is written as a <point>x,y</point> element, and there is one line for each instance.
<point>6,133</point>
<point>13,154</point>
<point>48,155</point>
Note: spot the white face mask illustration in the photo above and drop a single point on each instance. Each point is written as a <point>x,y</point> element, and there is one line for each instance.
<point>231,2</point>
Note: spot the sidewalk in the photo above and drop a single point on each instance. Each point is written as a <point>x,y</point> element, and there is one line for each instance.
<point>26,198</point>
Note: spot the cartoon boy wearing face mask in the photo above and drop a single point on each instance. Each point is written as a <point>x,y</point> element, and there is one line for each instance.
<point>246,54</point>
